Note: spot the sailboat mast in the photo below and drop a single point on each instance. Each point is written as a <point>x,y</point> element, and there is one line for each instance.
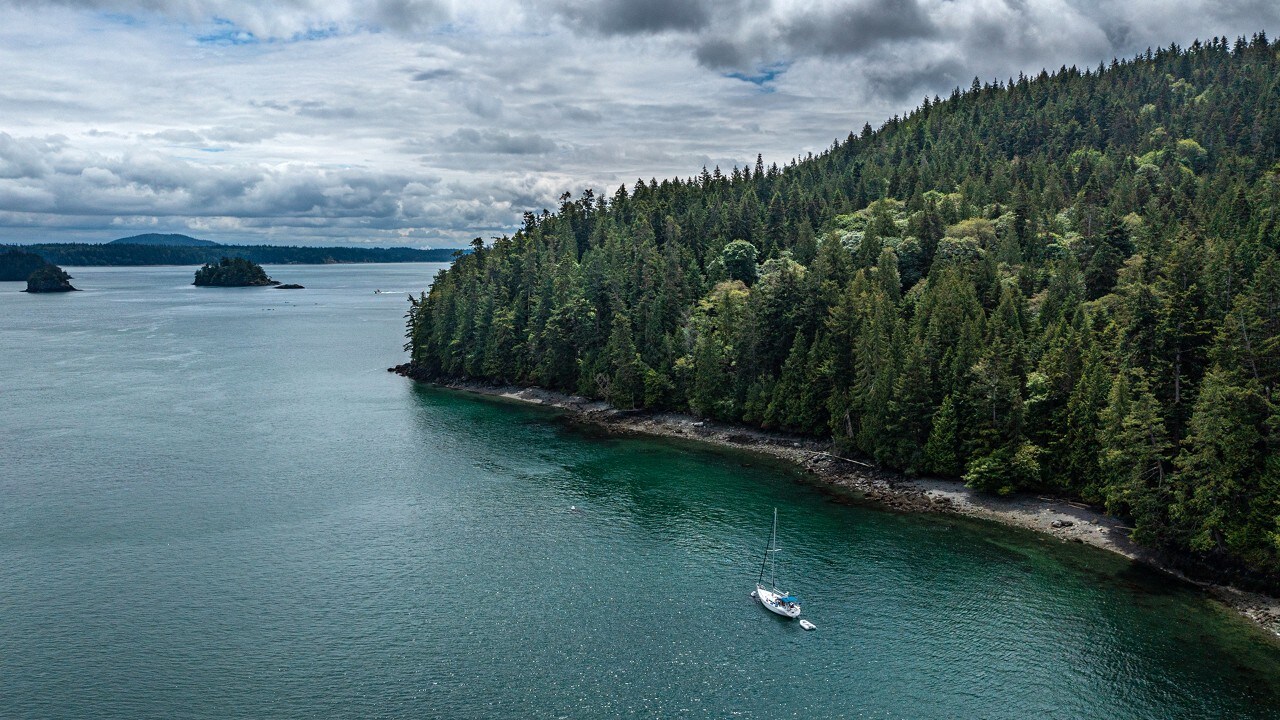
<point>773,550</point>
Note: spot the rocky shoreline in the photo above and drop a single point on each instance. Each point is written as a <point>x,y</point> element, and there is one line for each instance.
<point>1066,520</point>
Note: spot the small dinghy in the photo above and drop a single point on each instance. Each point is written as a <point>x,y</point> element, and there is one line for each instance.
<point>808,625</point>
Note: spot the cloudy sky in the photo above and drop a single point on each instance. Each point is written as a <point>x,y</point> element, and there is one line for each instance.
<point>428,122</point>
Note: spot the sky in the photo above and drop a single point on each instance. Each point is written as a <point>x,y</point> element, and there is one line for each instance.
<point>426,123</point>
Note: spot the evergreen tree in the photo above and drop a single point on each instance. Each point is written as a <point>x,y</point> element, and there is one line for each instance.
<point>1133,456</point>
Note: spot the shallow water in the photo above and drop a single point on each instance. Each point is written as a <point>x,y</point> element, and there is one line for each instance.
<point>217,503</point>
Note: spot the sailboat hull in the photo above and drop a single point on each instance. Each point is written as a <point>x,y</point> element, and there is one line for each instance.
<point>771,600</point>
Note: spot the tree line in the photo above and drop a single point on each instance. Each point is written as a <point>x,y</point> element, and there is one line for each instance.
<point>86,254</point>
<point>1066,283</point>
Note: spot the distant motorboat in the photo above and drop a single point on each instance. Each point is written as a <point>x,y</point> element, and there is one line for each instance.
<point>777,601</point>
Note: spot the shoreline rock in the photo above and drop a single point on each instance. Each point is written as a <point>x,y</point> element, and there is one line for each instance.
<point>50,279</point>
<point>1066,520</point>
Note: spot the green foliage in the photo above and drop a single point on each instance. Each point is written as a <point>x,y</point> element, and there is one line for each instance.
<point>942,452</point>
<point>1067,283</point>
<point>1134,450</point>
<point>232,272</point>
<point>1005,469</point>
<point>1220,467</point>
<point>739,258</point>
<point>980,230</point>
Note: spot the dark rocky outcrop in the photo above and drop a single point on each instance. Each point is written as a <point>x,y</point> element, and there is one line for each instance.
<point>49,279</point>
<point>290,286</point>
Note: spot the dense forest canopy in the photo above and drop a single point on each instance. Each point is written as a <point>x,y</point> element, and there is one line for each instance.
<point>1066,283</point>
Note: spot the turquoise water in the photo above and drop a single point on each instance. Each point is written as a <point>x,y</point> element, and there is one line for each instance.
<point>217,503</point>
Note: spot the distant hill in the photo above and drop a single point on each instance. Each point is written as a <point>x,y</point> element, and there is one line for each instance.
<point>164,239</point>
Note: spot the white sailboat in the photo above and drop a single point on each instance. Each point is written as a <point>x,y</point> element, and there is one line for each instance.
<point>777,601</point>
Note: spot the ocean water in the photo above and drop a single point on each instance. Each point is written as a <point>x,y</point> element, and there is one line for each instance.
<point>216,503</point>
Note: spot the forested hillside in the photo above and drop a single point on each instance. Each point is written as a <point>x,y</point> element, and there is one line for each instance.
<point>1067,283</point>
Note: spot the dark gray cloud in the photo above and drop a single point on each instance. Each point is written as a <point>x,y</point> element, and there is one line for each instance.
<point>633,17</point>
<point>724,53</point>
<point>858,28</point>
<point>243,134</point>
<point>436,74</point>
<point>500,142</point>
<point>913,84</point>
<point>269,105</point>
<point>407,15</point>
<point>574,113</point>
<point>482,104</point>
<point>178,137</point>
<point>324,111</point>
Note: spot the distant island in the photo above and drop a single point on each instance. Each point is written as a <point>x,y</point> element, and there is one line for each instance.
<point>232,272</point>
<point>175,249</point>
<point>49,279</point>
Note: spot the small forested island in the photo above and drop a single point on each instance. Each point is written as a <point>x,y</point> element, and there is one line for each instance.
<point>49,279</point>
<point>1065,284</point>
<point>232,272</point>
<point>17,265</point>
